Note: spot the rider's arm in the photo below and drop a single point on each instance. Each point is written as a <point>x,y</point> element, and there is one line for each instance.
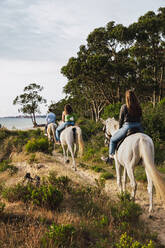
<point>122,115</point>
<point>63,116</point>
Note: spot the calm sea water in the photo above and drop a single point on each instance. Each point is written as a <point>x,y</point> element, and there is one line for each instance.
<point>20,123</point>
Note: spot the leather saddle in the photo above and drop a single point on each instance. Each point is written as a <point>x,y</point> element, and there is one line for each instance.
<point>129,132</point>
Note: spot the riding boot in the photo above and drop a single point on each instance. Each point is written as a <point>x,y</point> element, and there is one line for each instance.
<point>107,160</point>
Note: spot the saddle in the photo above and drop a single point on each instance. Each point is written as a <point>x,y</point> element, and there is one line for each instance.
<point>129,132</point>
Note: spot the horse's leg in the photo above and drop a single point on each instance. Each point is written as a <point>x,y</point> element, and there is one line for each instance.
<point>64,153</point>
<point>150,191</point>
<point>75,148</point>
<point>132,180</point>
<point>72,155</point>
<point>124,179</point>
<point>118,174</point>
<point>67,155</point>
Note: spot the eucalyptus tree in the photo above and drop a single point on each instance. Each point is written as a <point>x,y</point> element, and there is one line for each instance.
<point>147,53</point>
<point>30,101</point>
<point>97,72</point>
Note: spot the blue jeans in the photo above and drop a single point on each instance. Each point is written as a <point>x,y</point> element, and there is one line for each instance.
<point>121,133</point>
<point>61,127</point>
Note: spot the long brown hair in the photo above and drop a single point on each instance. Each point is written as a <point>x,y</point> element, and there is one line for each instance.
<point>68,109</point>
<point>132,103</point>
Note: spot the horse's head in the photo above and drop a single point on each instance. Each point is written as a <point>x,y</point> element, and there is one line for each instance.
<point>110,127</point>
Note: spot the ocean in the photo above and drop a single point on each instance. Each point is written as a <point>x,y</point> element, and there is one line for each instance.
<point>22,123</point>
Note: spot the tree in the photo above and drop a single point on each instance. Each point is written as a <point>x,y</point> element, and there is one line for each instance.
<point>30,101</point>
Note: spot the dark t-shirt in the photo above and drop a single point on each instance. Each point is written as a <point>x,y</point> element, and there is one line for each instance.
<point>126,117</point>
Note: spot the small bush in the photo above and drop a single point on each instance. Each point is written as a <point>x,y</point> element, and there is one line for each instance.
<point>5,165</point>
<point>60,236</point>
<point>140,174</point>
<point>111,110</point>
<point>127,242</point>
<point>85,166</point>
<point>2,207</point>
<point>106,175</point>
<point>45,196</point>
<point>17,192</point>
<point>126,209</point>
<point>97,168</point>
<point>39,144</point>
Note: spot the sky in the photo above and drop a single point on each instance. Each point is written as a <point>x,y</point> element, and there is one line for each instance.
<point>37,38</point>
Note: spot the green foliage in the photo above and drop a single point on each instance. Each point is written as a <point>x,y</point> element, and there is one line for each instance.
<point>84,166</point>
<point>60,236</point>
<point>111,110</point>
<point>140,174</point>
<point>44,196</point>
<point>89,128</point>
<point>2,207</point>
<point>61,183</point>
<point>30,101</point>
<point>39,144</point>
<point>106,175</point>
<point>4,133</point>
<point>18,192</point>
<point>97,168</point>
<point>85,201</point>
<point>126,209</point>
<point>154,126</point>
<point>127,242</point>
<point>5,165</point>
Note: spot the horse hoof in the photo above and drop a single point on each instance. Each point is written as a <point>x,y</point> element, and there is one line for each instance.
<point>67,161</point>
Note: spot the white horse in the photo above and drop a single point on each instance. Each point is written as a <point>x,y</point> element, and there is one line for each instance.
<point>51,132</point>
<point>134,148</point>
<point>70,137</point>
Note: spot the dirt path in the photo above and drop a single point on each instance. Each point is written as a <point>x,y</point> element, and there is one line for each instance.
<point>156,221</point>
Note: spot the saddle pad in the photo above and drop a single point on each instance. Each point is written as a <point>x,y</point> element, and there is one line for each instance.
<point>129,132</point>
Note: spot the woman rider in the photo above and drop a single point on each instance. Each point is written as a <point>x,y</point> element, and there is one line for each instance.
<point>67,118</point>
<point>130,117</point>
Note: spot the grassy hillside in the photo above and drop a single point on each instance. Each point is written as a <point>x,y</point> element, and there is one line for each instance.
<point>62,212</point>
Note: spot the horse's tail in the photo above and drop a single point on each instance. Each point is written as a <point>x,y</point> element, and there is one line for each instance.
<point>79,140</point>
<point>147,153</point>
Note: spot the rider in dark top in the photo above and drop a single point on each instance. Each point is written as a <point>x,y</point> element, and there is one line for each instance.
<point>130,117</point>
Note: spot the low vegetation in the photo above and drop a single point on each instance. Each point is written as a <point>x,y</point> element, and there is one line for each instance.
<point>62,213</point>
<point>70,215</point>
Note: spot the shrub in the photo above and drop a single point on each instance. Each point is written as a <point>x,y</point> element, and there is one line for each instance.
<point>39,144</point>
<point>140,174</point>
<point>127,242</point>
<point>2,207</point>
<point>5,165</point>
<point>45,196</point>
<point>97,168</point>
<point>60,236</point>
<point>89,128</point>
<point>112,110</point>
<point>126,209</point>
<point>106,175</point>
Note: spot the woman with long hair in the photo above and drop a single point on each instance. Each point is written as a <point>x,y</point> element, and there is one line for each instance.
<point>130,117</point>
<point>67,118</point>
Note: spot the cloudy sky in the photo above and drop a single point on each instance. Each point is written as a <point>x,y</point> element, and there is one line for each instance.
<point>37,37</point>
